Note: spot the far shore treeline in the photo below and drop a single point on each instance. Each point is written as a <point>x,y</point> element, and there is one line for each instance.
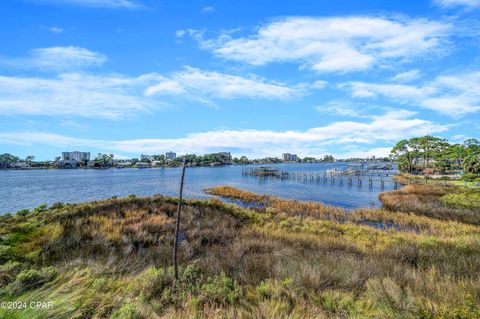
<point>104,160</point>
<point>418,155</point>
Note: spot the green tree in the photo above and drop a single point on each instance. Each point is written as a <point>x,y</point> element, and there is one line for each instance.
<point>472,146</point>
<point>404,153</point>
<point>104,159</point>
<point>471,164</point>
<point>244,160</point>
<point>7,159</point>
<point>432,147</point>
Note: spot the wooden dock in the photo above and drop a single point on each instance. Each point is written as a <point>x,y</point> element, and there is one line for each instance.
<point>360,179</point>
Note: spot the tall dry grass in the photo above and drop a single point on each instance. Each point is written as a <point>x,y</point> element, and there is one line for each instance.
<point>287,259</point>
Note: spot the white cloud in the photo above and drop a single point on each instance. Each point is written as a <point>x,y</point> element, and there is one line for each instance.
<point>345,108</point>
<point>58,58</point>
<point>361,152</point>
<point>453,95</point>
<point>96,3</point>
<point>455,3</point>
<point>338,44</point>
<point>386,128</point>
<point>208,9</point>
<point>76,94</point>
<point>115,96</point>
<point>208,85</point>
<point>55,30</point>
<point>407,76</point>
<point>319,84</point>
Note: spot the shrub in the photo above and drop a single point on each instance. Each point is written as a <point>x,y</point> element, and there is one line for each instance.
<point>40,208</point>
<point>270,289</point>
<point>467,200</point>
<point>338,302</point>
<point>127,311</point>
<point>469,177</point>
<point>8,272</point>
<point>33,278</point>
<point>222,290</point>
<point>57,205</point>
<point>23,212</point>
<point>4,253</point>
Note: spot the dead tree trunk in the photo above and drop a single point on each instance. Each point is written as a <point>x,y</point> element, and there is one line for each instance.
<point>177,222</point>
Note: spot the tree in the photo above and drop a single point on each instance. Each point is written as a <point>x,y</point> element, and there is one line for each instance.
<point>244,160</point>
<point>471,164</point>
<point>431,147</point>
<point>472,146</point>
<point>455,153</point>
<point>404,154</point>
<point>7,159</point>
<point>104,159</point>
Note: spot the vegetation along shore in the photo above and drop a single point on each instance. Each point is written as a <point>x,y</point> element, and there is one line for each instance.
<point>418,257</point>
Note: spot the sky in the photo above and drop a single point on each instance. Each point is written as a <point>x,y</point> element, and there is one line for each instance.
<point>256,78</point>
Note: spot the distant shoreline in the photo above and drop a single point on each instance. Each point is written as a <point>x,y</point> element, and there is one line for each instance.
<point>165,166</point>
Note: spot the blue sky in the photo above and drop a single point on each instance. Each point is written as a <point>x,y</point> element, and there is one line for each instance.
<point>257,78</point>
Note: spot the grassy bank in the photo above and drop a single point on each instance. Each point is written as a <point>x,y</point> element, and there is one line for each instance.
<point>282,259</point>
<point>407,179</point>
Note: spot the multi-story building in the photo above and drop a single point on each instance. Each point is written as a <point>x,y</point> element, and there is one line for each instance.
<point>170,155</point>
<point>76,155</point>
<point>287,157</point>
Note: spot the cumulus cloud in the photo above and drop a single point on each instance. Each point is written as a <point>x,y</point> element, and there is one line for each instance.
<point>357,136</point>
<point>453,95</point>
<point>335,44</point>
<point>58,59</point>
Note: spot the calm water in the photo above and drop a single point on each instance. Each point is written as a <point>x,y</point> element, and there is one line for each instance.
<point>30,188</point>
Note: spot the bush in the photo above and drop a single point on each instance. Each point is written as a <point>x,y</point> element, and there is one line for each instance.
<point>33,278</point>
<point>470,177</point>
<point>221,290</point>
<point>467,200</point>
<point>57,205</point>
<point>23,212</point>
<point>127,311</point>
<point>40,208</point>
<point>8,272</point>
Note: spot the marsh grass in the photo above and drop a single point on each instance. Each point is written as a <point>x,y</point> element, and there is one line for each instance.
<point>440,202</point>
<point>286,259</point>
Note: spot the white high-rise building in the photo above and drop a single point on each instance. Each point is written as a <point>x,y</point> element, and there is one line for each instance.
<point>170,155</point>
<point>287,157</point>
<point>76,155</point>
